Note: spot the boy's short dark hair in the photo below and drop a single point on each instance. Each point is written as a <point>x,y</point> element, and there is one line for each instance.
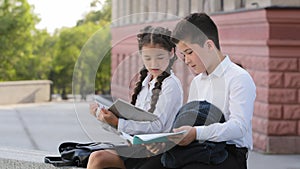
<point>196,28</point>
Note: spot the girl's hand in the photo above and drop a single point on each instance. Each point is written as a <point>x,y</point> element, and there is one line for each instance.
<point>93,108</point>
<point>189,137</point>
<point>108,117</point>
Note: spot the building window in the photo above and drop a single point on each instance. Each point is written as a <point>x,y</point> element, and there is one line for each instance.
<point>222,5</point>
<point>177,7</point>
<point>243,4</point>
<point>190,6</point>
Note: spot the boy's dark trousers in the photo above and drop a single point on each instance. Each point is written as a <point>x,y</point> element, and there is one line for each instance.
<point>237,159</point>
<point>199,113</point>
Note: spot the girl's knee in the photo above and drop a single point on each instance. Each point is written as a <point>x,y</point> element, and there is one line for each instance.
<point>97,156</point>
<point>104,159</point>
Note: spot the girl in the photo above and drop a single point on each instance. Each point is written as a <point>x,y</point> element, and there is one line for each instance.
<point>158,91</point>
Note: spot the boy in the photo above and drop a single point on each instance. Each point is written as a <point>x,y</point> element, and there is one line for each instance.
<point>220,82</point>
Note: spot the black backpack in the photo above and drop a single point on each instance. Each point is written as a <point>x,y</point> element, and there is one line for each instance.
<point>76,154</point>
<point>196,113</point>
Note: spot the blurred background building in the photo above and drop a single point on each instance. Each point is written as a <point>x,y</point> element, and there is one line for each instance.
<point>262,36</point>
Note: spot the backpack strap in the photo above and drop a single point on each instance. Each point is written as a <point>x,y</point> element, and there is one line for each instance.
<point>57,161</point>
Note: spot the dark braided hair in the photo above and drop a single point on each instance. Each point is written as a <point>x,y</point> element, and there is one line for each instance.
<point>154,36</point>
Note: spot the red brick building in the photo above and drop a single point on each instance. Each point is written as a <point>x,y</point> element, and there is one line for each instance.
<point>262,36</point>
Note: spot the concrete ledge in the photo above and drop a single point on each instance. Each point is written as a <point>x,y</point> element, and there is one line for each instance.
<point>14,92</point>
<point>20,159</point>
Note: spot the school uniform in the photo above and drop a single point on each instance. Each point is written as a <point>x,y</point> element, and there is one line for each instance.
<point>232,90</point>
<point>169,102</point>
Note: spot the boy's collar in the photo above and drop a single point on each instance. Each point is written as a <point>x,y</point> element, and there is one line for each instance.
<point>219,70</point>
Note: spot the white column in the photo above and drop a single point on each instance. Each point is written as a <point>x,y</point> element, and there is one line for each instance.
<point>285,2</point>
<point>122,12</point>
<point>152,8</point>
<point>172,8</point>
<point>162,9</point>
<point>135,9</point>
<point>144,9</point>
<point>115,13</point>
<point>184,8</point>
<point>196,6</point>
<point>215,5</point>
<point>207,6</point>
<point>264,3</point>
<point>230,5</point>
<point>128,9</point>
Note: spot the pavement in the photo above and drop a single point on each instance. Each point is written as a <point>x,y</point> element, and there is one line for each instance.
<point>43,126</point>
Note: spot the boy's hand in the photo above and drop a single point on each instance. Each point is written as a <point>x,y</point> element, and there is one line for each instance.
<point>189,137</point>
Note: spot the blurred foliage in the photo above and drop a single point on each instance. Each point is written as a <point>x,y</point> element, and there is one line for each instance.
<point>93,65</point>
<point>27,53</point>
<point>17,24</point>
<point>99,16</point>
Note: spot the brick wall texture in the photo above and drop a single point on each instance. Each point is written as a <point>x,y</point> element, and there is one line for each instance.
<point>266,44</point>
<point>274,63</point>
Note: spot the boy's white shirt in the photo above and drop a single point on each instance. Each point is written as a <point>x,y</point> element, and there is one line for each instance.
<point>169,102</point>
<point>231,89</point>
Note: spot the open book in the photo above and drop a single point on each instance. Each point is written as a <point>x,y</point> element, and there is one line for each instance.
<point>150,138</point>
<point>126,110</point>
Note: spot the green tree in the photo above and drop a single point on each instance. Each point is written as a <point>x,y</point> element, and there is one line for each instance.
<point>70,46</point>
<point>16,25</point>
<point>38,64</point>
<point>45,47</point>
<point>28,53</point>
<point>96,50</point>
<point>103,75</point>
<point>92,71</point>
<point>100,17</point>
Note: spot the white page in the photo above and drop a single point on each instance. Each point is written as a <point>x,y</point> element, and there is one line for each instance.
<point>126,137</point>
<point>147,137</point>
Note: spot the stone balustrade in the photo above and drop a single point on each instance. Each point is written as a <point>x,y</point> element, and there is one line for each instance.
<point>31,91</point>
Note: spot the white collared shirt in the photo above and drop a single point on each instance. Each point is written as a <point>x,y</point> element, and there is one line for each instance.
<point>231,89</point>
<point>169,101</point>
